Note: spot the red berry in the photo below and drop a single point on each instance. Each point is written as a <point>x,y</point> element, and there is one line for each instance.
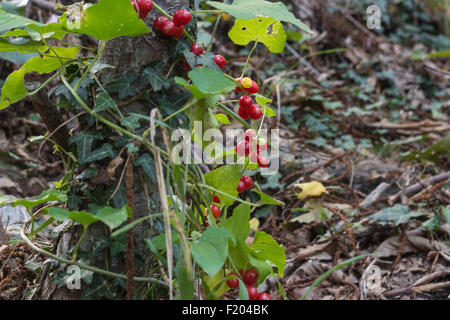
<point>160,21</point>
<point>255,112</point>
<point>249,134</point>
<point>143,7</point>
<point>263,162</point>
<point>179,31</point>
<point>182,17</point>
<point>169,28</point>
<point>243,149</point>
<point>207,223</point>
<point>238,89</point>
<point>241,272</point>
<point>216,199</point>
<point>233,282</point>
<point>220,61</point>
<point>197,49</point>
<point>241,187</point>
<point>253,89</point>
<point>243,113</point>
<point>248,182</point>
<point>215,211</point>
<point>245,101</point>
<point>250,276</point>
<point>252,293</point>
<point>264,296</point>
<point>186,65</point>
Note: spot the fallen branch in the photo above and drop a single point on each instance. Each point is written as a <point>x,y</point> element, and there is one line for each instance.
<point>411,190</point>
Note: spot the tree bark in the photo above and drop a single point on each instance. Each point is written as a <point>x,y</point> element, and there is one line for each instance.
<point>131,54</point>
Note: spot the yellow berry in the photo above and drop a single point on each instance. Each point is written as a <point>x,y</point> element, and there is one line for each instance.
<point>246,82</point>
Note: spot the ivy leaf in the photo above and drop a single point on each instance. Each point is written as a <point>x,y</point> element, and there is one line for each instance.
<point>105,151</point>
<point>45,196</point>
<point>262,29</point>
<point>103,102</point>
<point>145,161</point>
<point>153,76</point>
<point>84,141</point>
<point>249,9</point>
<point>124,85</point>
<point>113,217</point>
<point>225,179</point>
<point>397,214</point>
<point>106,20</point>
<point>211,250</point>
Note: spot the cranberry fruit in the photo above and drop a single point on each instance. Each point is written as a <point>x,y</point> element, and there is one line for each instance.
<point>160,21</point>
<point>262,161</point>
<point>245,102</point>
<point>241,187</point>
<point>243,113</point>
<point>248,181</point>
<point>264,296</point>
<point>215,211</point>
<point>216,199</point>
<point>182,17</point>
<point>233,282</point>
<point>253,88</point>
<point>143,7</point>
<point>255,112</point>
<point>220,61</point>
<point>169,28</point>
<point>197,49</point>
<point>252,293</point>
<point>243,149</point>
<point>179,31</point>
<point>250,276</point>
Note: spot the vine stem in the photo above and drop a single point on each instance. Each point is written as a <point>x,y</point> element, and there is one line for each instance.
<point>248,59</point>
<point>82,265</point>
<point>164,12</point>
<point>90,66</point>
<point>83,235</point>
<point>206,11</point>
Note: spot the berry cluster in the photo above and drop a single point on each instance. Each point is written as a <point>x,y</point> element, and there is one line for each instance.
<point>249,277</point>
<point>175,27</point>
<point>246,183</point>
<point>142,7</point>
<point>198,50</point>
<point>252,149</point>
<point>214,209</point>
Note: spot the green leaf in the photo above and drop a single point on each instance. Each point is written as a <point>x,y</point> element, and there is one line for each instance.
<point>225,179</point>
<point>222,118</point>
<point>238,224</point>
<point>124,85</point>
<point>249,9</point>
<point>211,250</point>
<point>210,82</point>
<point>103,102</point>
<point>153,74</point>
<point>113,217</point>
<point>442,147</point>
<point>60,214</point>
<point>82,217</point>
<point>46,196</point>
<point>16,57</point>
<point>106,20</point>
<point>159,241</point>
<point>397,214</point>
<point>15,6</point>
<point>11,21</point>
<point>20,46</point>
<point>266,248</point>
<point>243,292</point>
<point>84,141</point>
<point>105,151</point>
<point>266,199</point>
<point>14,88</point>
<point>145,161</point>
<point>265,30</point>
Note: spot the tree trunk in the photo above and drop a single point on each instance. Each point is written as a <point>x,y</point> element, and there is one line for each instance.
<point>130,54</point>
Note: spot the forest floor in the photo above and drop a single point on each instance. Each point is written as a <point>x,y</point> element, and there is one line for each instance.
<point>360,111</point>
